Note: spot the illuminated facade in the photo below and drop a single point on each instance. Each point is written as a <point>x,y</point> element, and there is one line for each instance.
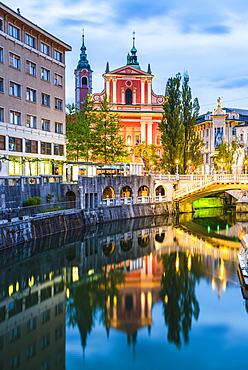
<point>131,94</point>
<point>222,125</point>
<point>32,97</point>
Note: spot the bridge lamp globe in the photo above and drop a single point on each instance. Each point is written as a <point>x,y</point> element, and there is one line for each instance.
<point>176,163</point>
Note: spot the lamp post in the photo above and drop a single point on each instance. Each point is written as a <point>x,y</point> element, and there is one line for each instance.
<point>189,166</point>
<point>176,163</point>
<point>245,165</point>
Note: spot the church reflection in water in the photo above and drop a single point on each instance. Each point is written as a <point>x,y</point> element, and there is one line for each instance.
<point>118,271</point>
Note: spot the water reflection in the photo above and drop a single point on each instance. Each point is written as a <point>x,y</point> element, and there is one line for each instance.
<point>115,273</point>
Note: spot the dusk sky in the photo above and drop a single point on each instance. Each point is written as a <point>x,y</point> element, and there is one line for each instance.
<point>206,38</point>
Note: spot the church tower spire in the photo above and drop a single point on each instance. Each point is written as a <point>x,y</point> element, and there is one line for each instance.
<point>132,59</point>
<point>83,76</point>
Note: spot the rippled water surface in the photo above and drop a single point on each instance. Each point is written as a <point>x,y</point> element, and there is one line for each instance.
<point>151,293</point>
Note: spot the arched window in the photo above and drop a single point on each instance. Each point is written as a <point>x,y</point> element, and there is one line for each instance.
<point>84,81</point>
<point>129,96</point>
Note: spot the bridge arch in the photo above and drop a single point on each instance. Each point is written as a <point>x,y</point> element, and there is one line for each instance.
<point>143,240</point>
<point>143,191</point>
<point>108,248</point>
<point>160,190</point>
<point>126,192</point>
<point>70,197</point>
<point>108,192</point>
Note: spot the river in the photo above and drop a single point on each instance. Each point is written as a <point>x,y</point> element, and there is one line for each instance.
<point>146,293</point>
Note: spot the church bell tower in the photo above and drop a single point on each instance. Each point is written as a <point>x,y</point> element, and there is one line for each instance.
<point>83,77</point>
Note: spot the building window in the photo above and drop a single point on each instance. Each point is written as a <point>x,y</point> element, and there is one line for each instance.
<point>45,100</point>
<point>46,148</point>
<point>137,139</point>
<point>129,140</point>
<point>57,55</point>
<point>31,146</point>
<point>58,333</point>
<point>15,362</point>
<point>57,79</point>
<point>45,341</point>
<point>15,89</point>
<point>31,351</point>
<point>14,61</point>
<point>1,114</point>
<point>31,121</point>
<point>44,48</point>
<point>241,137</point>
<point>14,32</point>
<point>45,124</point>
<point>207,158</point>
<point>1,84</point>
<point>15,118</point>
<point>2,142</point>
<point>15,144</point>
<point>58,104</point>
<point>15,334</point>
<point>158,140</point>
<point>30,40</point>
<point>31,324</point>
<point>1,24</point>
<point>58,309</point>
<point>30,68</point>
<point>45,74</point>
<point>84,81</point>
<point>31,95</point>
<point>58,128</point>
<point>206,145</point>
<point>129,96</point>
<point>58,149</point>
<point>234,132</point>
<point>1,54</point>
<point>45,316</point>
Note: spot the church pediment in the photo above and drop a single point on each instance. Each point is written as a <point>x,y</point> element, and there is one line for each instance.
<point>128,70</point>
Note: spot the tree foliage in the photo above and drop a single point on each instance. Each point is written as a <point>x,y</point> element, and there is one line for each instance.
<point>225,158</point>
<point>93,134</point>
<point>109,146</point>
<point>179,140</point>
<point>148,155</point>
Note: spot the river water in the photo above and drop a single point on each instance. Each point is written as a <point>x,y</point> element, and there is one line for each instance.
<point>147,293</point>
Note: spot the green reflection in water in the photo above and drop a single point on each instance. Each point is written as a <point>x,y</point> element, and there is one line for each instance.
<point>178,294</point>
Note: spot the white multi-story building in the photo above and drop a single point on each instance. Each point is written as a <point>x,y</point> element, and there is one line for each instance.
<point>32,97</point>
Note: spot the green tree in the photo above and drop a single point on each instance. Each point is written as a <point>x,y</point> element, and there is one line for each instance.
<point>179,140</point>
<point>148,155</point>
<point>109,146</point>
<point>225,157</point>
<point>79,133</point>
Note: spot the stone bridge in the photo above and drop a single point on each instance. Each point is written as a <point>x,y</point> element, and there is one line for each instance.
<point>210,185</point>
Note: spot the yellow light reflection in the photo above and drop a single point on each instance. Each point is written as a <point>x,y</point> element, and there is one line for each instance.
<point>68,293</point>
<point>17,286</point>
<point>31,281</point>
<point>177,263</point>
<point>75,276</point>
<point>11,289</point>
<point>189,263</point>
<point>166,299</point>
<point>115,301</point>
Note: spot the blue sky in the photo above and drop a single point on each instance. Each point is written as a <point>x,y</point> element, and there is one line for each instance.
<point>206,38</point>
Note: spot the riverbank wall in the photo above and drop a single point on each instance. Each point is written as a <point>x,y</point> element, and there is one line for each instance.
<point>30,228</point>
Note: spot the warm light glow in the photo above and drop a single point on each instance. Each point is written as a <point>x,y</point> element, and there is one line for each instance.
<point>115,301</point>
<point>176,161</point>
<point>91,272</point>
<point>189,263</point>
<point>11,289</point>
<point>222,270</point>
<point>67,293</point>
<point>50,275</point>
<point>75,276</point>
<point>149,300</point>
<point>17,287</point>
<point>150,256</point>
<point>166,299</point>
<point>177,263</point>
<point>31,281</point>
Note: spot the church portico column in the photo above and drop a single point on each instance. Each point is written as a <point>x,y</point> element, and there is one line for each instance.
<point>143,132</point>
<point>107,88</point>
<point>134,96</point>
<point>149,97</point>
<point>149,133</point>
<point>114,90</point>
<point>142,91</point>
<point>122,96</point>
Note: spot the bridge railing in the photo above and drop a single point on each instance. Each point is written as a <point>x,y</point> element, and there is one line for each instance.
<point>211,179</point>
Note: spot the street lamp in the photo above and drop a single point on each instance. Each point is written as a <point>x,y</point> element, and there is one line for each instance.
<point>245,164</point>
<point>189,165</point>
<point>176,163</point>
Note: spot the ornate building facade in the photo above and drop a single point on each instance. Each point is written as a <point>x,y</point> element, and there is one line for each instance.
<point>131,94</point>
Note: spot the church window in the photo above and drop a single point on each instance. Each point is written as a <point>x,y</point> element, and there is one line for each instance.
<point>129,96</point>
<point>129,140</point>
<point>84,81</point>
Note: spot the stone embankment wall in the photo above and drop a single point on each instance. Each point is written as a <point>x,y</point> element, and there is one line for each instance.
<point>30,228</point>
